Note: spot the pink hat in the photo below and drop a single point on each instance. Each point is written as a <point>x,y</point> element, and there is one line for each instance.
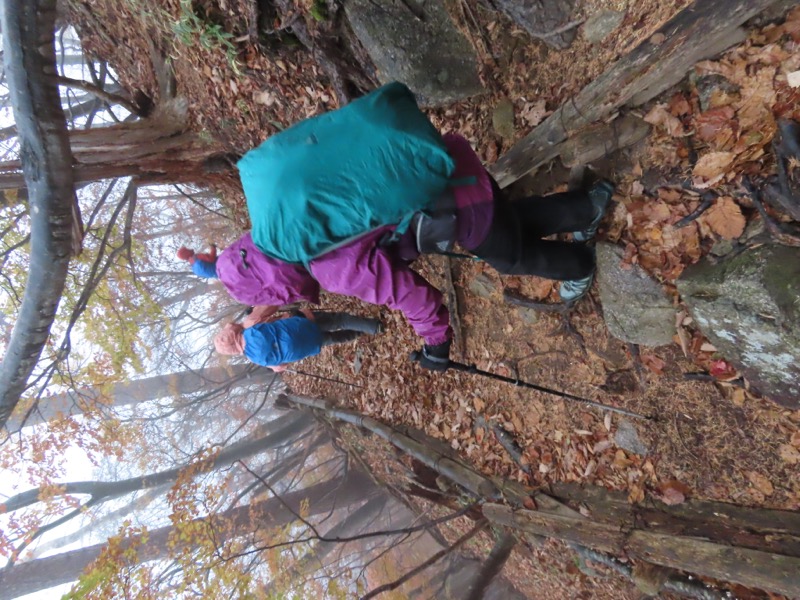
<point>230,339</point>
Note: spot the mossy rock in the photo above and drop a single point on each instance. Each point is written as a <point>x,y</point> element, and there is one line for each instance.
<point>748,306</point>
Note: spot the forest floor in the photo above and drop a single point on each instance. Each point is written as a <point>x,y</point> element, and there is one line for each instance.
<point>712,440</point>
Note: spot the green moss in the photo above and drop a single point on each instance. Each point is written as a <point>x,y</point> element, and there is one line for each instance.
<point>319,10</point>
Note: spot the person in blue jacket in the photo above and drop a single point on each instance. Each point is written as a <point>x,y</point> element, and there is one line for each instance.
<point>272,340</point>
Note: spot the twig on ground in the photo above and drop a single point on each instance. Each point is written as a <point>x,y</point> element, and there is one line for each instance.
<point>707,200</point>
<point>558,30</point>
<point>561,308</point>
<point>774,228</point>
<point>637,364</point>
<point>703,376</point>
<point>455,315</point>
<point>506,440</point>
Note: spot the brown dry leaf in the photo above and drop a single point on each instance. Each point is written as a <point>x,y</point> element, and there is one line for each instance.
<point>738,397</point>
<point>795,441</point>
<point>725,218</point>
<point>711,168</point>
<point>761,483</point>
<point>491,152</point>
<point>654,363</point>
<point>621,460</point>
<point>478,404</point>
<point>678,105</point>
<point>789,454</point>
<point>716,125</point>
<point>672,496</point>
<point>534,112</point>
<point>673,492</point>
<point>660,117</point>
<point>635,494</point>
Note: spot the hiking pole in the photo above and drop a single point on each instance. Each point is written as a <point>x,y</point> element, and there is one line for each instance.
<point>472,369</point>
<point>323,378</point>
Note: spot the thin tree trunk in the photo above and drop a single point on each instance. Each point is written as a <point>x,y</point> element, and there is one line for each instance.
<point>158,149</point>
<point>182,383</point>
<point>47,163</point>
<point>492,566</point>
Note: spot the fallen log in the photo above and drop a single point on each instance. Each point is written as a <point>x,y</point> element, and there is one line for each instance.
<point>767,571</point>
<point>701,30</point>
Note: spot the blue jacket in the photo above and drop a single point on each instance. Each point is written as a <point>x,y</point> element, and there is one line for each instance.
<point>282,341</point>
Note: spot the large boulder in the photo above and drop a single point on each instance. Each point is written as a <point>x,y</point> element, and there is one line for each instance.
<point>416,43</point>
<point>635,306</point>
<point>748,305</point>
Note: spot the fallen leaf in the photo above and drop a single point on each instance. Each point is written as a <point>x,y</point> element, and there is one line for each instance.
<point>491,152</point>
<point>789,454</point>
<point>793,79</point>
<point>621,460</point>
<point>534,113</point>
<point>601,446</point>
<point>738,397</point>
<point>725,218</point>
<point>529,503</point>
<point>716,125</point>
<point>636,494</point>
<point>761,483</point>
<point>671,496</point>
<point>264,97</point>
<point>708,347</point>
<point>673,492</point>
<point>660,117</point>
<point>652,362</point>
<point>678,105</point>
<point>711,168</point>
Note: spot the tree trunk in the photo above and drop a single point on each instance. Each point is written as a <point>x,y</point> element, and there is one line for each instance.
<point>47,163</point>
<point>30,577</point>
<point>182,383</point>
<point>702,29</point>
<point>158,149</point>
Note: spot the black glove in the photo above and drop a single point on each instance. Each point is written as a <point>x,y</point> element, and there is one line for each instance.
<point>435,358</point>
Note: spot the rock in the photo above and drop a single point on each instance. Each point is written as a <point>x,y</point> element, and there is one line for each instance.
<point>416,43</point>
<point>711,88</point>
<point>627,438</point>
<point>636,308</point>
<point>602,24</point>
<point>527,315</point>
<point>482,286</point>
<point>538,18</point>
<point>748,306</point>
<point>503,119</point>
<point>723,247</point>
